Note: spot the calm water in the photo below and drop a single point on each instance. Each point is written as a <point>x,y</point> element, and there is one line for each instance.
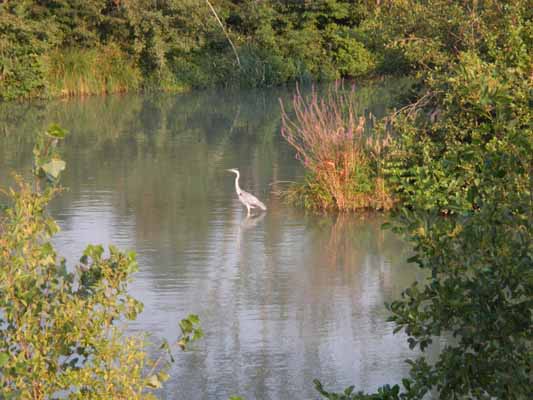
<point>283,298</point>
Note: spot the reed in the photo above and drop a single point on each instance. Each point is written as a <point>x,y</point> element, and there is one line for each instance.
<point>83,72</point>
<point>339,150</point>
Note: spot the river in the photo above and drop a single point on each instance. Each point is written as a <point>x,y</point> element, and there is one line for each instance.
<point>283,297</point>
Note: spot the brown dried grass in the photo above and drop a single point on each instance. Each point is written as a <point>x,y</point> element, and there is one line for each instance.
<point>333,142</point>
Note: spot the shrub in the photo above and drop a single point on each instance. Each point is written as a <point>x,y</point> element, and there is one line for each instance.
<point>263,68</point>
<point>21,73</point>
<point>465,150</point>
<point>59,330</point>
<point>342,158</point>
<point>349,55</point>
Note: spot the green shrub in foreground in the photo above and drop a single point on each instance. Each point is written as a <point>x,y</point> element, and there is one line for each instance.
<point>58,325</point>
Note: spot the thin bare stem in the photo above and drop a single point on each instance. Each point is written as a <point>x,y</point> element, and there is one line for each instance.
<point>225,32</point>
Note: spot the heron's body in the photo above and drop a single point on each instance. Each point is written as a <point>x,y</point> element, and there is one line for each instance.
<point>248,199</point>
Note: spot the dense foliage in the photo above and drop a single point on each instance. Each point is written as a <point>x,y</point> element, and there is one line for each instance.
<point>74,47</point>
<point>60,330</point>
<point>461,166</point>
<point>69,47</point>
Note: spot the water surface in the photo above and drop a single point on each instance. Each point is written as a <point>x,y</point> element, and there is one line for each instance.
<point>283,297</point>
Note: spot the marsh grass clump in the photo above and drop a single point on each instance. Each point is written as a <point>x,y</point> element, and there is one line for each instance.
<point>83,72</point>
<point>340,152</point>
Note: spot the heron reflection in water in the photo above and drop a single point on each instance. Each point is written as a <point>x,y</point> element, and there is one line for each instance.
<point>248,199</point>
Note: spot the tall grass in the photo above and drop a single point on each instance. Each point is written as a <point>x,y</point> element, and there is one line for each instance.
<point>82,72</point>
<point>341,155</point>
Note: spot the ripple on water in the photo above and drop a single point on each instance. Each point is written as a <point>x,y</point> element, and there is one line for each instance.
<point>283,297</point>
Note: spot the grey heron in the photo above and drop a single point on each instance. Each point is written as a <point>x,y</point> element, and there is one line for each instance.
<point>248,199</point>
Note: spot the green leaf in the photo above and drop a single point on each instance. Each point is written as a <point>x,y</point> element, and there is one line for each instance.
<point>53,168</point>
<point>198,334</point>
<point>56,131</point>
<point>4,357</point>
<point>349,390</point>
<point>193,318</point>
<point>153,382</point>
<point>386,225</point>
<point>186,326</point>
<point>413,259</point>
<point>162,376</point>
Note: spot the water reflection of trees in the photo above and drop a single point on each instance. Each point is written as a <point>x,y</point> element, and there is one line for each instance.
<point>355,247</point>
<point>352,236</point>
<point>160,156</point>
<point>289,292</point>
<point>155,119</point>
<point>158,160</point>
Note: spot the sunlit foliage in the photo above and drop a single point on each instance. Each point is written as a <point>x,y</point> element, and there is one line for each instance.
<point>343,160</point>
<point>61,326</point>
<point>461,167</point>
<point>175,44</point>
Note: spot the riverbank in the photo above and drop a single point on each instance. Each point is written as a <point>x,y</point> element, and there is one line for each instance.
<point>61,50</point>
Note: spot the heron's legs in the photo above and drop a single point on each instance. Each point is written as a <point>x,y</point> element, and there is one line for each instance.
<point>248,207</point>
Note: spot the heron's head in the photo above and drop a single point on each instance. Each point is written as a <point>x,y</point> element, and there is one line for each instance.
<point>234,170</point>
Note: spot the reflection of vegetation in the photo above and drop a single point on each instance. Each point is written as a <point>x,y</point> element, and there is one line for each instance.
<point>155,119</point>
<point>149,148</point>
<point>352,238</point>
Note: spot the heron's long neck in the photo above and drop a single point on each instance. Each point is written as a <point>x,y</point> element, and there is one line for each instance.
<point>237,188</point>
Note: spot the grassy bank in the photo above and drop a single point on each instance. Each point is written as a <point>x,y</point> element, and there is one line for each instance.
<point>96,46</point>
<point>82,72</point>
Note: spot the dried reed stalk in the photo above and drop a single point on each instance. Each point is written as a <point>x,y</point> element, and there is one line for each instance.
<point>329,138</point>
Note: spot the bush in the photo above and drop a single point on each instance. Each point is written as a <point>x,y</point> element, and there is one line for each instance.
<point>21,73</point>
<point>461,167</point>
<point>59,334</point>
<point>342,158</point>
<point>263,68</point>
<point>349,55</point>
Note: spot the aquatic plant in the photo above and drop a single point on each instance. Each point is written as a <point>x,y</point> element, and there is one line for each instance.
<point>341,154</point>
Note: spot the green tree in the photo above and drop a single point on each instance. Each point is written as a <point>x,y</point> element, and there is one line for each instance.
<point>21,45</point>
<point>462,170</point>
